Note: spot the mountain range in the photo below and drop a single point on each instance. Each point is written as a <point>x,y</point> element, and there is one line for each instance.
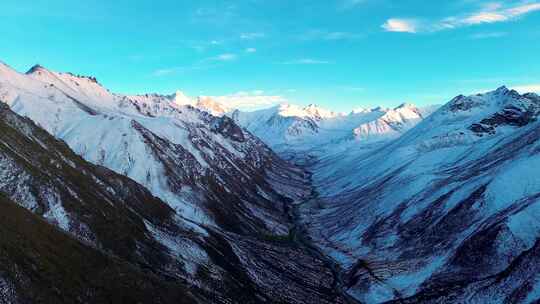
<point>170,199</point>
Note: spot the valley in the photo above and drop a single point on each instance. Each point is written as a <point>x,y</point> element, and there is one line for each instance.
<point>300,236</point>
<point>283,205</point>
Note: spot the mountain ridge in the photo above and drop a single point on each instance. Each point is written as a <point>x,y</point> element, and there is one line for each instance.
<point>239,255</point>
<point>440,211</point>
<point>412,205</point>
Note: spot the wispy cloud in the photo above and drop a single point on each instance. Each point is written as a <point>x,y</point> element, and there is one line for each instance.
<point>535,88</point>
<point>251,36</point>
<point>249,100</point>
<point>307,61</point>
<point>401,25</point>
<point>490,13</point>
<point>250,50</point>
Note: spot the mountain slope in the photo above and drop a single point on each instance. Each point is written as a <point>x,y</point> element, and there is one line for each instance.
<point>39,263</point>
<point>103,209</point>
<point>205,167</point>
<point>445,213</point>
<point>119,217</point>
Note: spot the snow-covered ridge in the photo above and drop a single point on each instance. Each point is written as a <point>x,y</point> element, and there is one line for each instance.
<point>182,154</point>
<point>391,124</point>
<point>292,128</point>
<point>451,203</point>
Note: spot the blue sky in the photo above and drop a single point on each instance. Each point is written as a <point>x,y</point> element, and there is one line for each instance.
<point>340,54</point>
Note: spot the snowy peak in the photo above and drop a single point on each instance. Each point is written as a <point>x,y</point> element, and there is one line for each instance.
<point>35,69</point>
<point>391,124</point>
<point>211,106</point>
<point>291,127</point>
<point>359,110</point>
<point>179,98</point>
<point>38,70</point>
<point>85,91</point>
<point>484,102</point>
<point>289,110</point>
<point>311,111</point>
<point>466,119</point>
<point>406,106</point>
<point>511,109</point>
<point>490,102</point>
<point>318,112</point>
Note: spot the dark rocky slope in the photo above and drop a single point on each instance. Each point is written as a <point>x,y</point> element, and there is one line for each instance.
<point>42,264</point>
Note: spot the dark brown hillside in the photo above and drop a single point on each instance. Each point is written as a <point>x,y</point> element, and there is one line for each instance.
<point>41,264</point>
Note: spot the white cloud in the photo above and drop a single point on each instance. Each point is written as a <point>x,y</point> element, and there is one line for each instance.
<point>306,61</point>
<point>400,25</point>
<point>250,50</point>
<point>249,100</point>
<point>535,88</point>
<point>251,36</point>
<point>490,13</point>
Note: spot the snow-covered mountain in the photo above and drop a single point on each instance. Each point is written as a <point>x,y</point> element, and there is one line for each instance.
<point>185,194</point>
<point>126,233</point>
<point>391,124</point>
<point>107,213</point>
<point>205,167</point>
<point>291,129</point>
<point>446,213</point>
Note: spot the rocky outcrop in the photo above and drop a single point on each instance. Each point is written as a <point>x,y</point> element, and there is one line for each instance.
<point>226,126</point>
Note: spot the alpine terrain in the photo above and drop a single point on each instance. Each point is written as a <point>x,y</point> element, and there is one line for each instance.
<point>115,198</point>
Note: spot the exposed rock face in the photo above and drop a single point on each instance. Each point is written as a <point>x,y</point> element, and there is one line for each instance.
<point>517,110</point>
<point>39,263</point>
<point>228,128</point>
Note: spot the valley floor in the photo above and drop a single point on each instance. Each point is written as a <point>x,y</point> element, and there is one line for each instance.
<point>300,236</point>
